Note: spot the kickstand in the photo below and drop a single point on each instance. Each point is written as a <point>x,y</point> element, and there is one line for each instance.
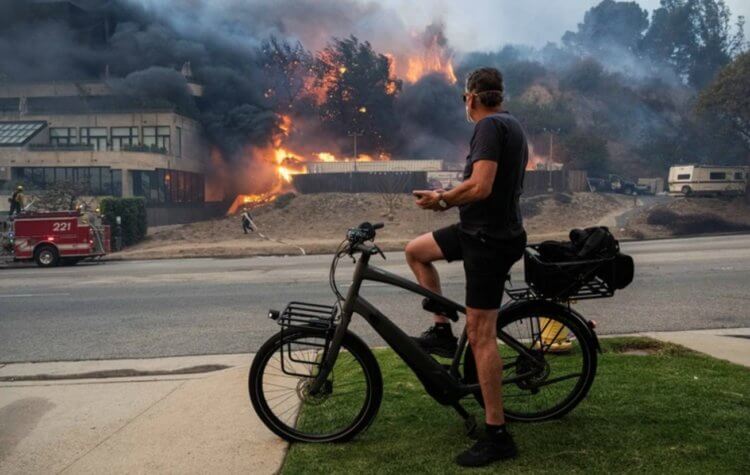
<point>470,422</point>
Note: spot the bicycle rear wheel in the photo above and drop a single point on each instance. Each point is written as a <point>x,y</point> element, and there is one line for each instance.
<point>281,375</point>
<point>562,369</point>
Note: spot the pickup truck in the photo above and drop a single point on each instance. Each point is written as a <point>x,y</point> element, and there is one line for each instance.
<point>617,184</point>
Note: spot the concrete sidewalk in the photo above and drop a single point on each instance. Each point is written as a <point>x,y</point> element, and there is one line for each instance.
<point>185,423</point>
<point>163,419</point>
<point>730,344</point>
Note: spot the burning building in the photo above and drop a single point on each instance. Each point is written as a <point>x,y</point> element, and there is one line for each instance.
<point>140,99</point>
<point>83,133</point>
<point>93,136</point>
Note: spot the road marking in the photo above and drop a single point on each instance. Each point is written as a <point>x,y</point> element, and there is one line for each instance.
<point>13,296</point>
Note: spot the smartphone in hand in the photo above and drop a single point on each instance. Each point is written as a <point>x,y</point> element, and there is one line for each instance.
<point>419,194</point>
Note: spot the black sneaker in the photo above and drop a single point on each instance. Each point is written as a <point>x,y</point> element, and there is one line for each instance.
<point>438,340</point>
<point>487,451</point>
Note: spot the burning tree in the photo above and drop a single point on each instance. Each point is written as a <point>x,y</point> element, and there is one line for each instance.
<point>290,66</point>
<point>357,92</point>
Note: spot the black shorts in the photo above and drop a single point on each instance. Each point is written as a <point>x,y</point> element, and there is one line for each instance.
<point>487,262</point>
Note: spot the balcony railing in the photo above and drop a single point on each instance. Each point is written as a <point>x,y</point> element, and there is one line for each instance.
<point>53,147</point>
<point>49,147</point>
<point>144,149</point>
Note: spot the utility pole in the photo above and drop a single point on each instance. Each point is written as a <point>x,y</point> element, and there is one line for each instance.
<point>549,164</point>
<point>355,135</point>
<point>552,133</point>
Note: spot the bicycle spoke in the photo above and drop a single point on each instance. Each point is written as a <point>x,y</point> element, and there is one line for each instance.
<point>559,379</point>
<point>334,407</point>
<point>545,358</point>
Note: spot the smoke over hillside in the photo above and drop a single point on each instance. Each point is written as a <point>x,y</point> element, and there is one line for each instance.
<point>285,81</point>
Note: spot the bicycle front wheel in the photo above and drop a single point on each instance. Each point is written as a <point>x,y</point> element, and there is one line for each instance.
<point>284,369</point>
<point>555,372</point>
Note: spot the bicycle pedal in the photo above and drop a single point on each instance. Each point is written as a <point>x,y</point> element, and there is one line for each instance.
<point>472,429</point>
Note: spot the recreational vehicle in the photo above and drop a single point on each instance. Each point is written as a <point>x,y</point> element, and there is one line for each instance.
<point>707,180</point>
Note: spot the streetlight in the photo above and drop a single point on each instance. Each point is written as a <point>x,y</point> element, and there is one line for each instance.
<point>361,110</point>
<point>355,135</point>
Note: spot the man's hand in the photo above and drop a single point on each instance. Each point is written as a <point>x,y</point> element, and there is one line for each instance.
<point>428,199</point>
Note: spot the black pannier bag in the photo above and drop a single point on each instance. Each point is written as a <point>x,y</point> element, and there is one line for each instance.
<point>589,265</point>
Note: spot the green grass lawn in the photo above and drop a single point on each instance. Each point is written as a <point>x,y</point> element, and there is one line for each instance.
<point>671,411</point>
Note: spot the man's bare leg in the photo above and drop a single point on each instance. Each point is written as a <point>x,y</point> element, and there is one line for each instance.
<point>498,445</point>
<point>482,333</point>
<point>420,254</point>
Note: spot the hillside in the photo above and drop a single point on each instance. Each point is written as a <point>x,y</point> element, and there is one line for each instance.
<point>318,222</point>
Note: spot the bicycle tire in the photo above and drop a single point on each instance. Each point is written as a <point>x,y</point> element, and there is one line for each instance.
<point>545,309</point>
<point>353,345</point>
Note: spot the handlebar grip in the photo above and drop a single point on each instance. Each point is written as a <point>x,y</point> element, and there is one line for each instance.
<point>378,226</point>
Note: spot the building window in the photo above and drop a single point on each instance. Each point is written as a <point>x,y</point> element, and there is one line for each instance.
<point>157,137</point>
<point>178,142</point>
<point>116,182</point>
<point>168,186</point>
<point>684,176</point>
<point>717,176</point>
<point>95,181</point>
<point>124,137</point>
<point>96,136</point>
<point>738,176</point>
<point>62,136</point>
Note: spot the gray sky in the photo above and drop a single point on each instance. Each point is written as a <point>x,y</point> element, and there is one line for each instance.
<point>487,24</point>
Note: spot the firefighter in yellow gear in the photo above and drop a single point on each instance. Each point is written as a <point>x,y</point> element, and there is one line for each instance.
<point>16,201</point>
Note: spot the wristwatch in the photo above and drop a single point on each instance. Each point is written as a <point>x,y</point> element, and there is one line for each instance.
<point>442,203</point>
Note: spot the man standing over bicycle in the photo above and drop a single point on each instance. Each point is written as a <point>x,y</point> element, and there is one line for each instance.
<point>489,239</point>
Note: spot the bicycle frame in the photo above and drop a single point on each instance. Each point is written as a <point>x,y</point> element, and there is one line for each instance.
<point>444,385</point>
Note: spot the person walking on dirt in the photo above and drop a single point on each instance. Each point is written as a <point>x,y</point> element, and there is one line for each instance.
<point>16,201</point>
<point>247,221</point>
<point>489,239</point>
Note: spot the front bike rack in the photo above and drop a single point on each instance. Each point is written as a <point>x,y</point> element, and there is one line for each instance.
<point>305,316</point>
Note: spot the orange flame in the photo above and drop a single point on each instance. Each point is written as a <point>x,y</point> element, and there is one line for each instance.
<point>431,54</point>
<point>326,157</point>
<point>430,62</point>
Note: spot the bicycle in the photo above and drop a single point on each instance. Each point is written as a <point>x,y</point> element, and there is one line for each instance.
<point>315,381</point>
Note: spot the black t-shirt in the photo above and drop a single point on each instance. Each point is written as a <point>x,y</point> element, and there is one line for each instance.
<point>499,138</point>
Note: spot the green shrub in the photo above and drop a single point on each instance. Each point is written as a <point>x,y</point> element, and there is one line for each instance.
<point>132,211</point>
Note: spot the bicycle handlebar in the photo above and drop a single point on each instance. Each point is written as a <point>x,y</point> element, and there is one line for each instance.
<point>363,232</point>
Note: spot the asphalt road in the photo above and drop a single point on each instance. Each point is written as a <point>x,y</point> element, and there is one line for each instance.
<point>207,306</point>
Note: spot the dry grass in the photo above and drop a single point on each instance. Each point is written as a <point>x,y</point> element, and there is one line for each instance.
<point>318,222</point>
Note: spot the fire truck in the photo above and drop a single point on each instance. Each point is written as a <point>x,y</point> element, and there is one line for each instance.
<point>53,238</point>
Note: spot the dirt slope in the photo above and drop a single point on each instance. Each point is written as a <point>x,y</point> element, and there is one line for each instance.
<point>318,222</point>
